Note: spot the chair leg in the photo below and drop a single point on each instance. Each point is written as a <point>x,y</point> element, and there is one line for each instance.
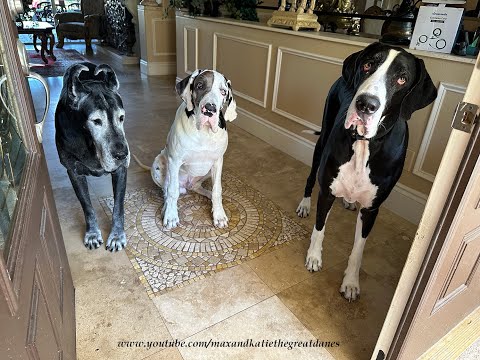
<point>61,40</point>
<point>88,42</point>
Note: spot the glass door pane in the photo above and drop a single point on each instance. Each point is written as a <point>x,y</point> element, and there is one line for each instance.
<point>12,153</point>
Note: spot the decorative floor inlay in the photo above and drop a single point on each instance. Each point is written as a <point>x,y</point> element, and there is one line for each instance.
<point>167,259</point>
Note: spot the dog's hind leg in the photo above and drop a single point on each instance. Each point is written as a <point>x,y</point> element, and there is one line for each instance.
<point>313,261</point>
<point>303,209</point>
<point>199,189</point>
<point>350,287</point>
<point>93,235</point>
<point>349,206</point>
<point>117,238</point>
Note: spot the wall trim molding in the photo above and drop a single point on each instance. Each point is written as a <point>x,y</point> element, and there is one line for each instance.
<point>281,50</point>
<point>158,68</point>
<point>263,102</point>
<point>432,121</point>
<point>185,48</point>
<point>154,25</point>
<point>403,200</point>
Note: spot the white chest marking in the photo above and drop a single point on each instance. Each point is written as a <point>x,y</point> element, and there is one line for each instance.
<point>353,179</point>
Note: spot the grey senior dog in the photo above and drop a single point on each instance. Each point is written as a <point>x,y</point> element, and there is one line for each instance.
<point>91,141</point>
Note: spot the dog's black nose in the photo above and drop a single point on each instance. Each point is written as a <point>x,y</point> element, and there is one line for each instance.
<point>367,104</point>
<point>119,151</point>
<point>211,107</point>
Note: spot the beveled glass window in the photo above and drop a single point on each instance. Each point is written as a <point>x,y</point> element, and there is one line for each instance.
<point>12,155</point>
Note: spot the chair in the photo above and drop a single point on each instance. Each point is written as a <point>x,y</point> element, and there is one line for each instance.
<point>87,24</point>
<point>43,11</point>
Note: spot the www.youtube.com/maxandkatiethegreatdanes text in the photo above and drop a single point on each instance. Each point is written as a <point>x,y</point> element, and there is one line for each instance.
<point>248,343</point>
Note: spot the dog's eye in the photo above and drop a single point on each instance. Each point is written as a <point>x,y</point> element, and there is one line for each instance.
<point>401,80</point>
<point>367,66</point>
<point>199,85</point>
<point>97,122</point>
<point>223,92</point>
<point>121,118</point>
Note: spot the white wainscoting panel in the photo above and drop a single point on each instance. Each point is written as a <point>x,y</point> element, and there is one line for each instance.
<point>432,124</point>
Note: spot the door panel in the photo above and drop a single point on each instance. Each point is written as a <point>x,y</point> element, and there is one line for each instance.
<point>447,289</point>
<point>37,302</point>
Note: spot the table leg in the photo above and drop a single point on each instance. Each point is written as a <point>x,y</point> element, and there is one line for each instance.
<point>35,42</point>
<point>52,41</point>
<point>44,47</point>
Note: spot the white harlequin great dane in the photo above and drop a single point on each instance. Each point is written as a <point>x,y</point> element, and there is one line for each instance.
<point>196,144</point>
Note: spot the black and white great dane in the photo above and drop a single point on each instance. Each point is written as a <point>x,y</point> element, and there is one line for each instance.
<point>361,150</point>
<point>196,144</point>
<point>91,141</point>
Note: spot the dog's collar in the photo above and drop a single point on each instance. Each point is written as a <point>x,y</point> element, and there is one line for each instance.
<point>355,135</point>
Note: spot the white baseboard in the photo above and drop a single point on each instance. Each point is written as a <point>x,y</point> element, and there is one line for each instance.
<point>158,68</point>
<point>403,200</point>
<point>280,138</point>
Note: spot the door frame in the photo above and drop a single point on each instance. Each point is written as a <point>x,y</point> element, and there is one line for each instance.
<point>423,251</point>
<point>9,282</point>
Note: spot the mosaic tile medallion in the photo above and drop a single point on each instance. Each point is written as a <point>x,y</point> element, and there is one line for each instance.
<point>167,259</point>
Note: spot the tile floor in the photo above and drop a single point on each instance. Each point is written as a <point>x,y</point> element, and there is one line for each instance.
<point>270,297</point>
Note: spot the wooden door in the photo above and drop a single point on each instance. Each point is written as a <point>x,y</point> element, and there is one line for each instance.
<point>37,318</point>
<point>447,289</point>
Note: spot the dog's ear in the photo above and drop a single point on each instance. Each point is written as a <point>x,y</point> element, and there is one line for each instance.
<point>352,63</point>
<point>184,89</point>
<point>422,93</point>
<point>72,82</point>
<point>110,76</point>
<point>349,69</point>
<point>231,111</point>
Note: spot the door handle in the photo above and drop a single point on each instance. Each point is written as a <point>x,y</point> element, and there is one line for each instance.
<point>29,74</point>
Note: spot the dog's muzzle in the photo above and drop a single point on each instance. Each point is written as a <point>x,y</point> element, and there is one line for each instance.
<point>209,109</point>
<point>209,117</point>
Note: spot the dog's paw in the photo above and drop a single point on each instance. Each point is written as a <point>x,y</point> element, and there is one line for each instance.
<point>349,206</point>
<point>303,209</point>
<point>170,218</point>
<point>93,239</point>
<point>313,262</point>
<point>220,219</point>
<point>350,288</point>
<point>116,241</point>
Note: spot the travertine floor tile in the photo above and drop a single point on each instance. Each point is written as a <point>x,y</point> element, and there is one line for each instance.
<point>285,267</point>
<point>317,303</point>
<point>193,308</point>
<point>166,354</point>
<point>269,320</point>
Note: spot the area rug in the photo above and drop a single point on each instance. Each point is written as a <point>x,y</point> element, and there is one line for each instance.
<point>65,58</point>
<point>168,259</point>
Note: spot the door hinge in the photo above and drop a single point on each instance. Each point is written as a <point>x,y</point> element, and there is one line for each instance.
<point>465,117</point>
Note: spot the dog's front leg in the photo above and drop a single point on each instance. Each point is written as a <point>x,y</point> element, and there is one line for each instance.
<point>117,238</point>
<point>220,219</point>
<point>93,235</point>
<point>171,192</point>
<point>350,287</point>
<point>313,261</point>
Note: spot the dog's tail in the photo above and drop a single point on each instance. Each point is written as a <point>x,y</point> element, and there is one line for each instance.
<point>142,165</point>
<point>313,132</point>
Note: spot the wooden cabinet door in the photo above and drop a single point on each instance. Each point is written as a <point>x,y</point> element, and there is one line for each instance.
<point>37,303</point>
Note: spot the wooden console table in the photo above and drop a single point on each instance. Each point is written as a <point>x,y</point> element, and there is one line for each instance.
<point>42,30</point>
